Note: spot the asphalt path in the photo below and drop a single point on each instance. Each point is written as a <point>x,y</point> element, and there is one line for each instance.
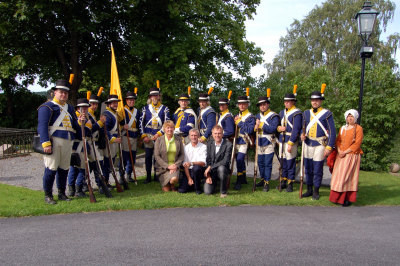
<point>264,235</point>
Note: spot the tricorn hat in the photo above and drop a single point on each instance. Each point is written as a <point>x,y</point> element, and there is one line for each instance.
<point>130,95</point>
<point>154,91</point>
<point>263,99</point>
<point>62,84</point>
<point>184,97</point>
<point>112,98</point>
<point>82,102</point>
<point>94,98</point>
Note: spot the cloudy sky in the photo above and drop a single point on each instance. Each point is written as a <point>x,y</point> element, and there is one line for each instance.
<point>274,18</point>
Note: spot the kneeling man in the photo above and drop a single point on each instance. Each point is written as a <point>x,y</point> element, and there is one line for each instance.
<point>194,163</point>
<point>219,153</point>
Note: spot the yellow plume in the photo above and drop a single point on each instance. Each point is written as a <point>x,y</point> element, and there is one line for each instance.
<point>210,90</point>
<point>268,92</point>
<point>88,94</point>
<point>135,91</point>
<point>295,89</point>
<point>100,91</point>
<point>189,89</point>
<point>323,86</point>
<point>158,83</point>
<point>71,78</point>
<point>247,91</point>
<point>229,95</point>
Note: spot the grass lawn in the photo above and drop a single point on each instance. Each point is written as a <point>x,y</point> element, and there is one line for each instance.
<point>375,189</point>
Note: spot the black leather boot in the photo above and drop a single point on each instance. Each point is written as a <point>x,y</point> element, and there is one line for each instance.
<point>260,184</point>
<point>290,187</point>
<point>130,178</point>
<point>315,195</point>
<point>79,193</point>
<point>48,198</point>
<point>309,192</point>
<point>238,184</point>
<point>71,191</point>
<point>244,179</point>
<point>266,186</point>
<point>148,179</point>
<point>282,185</point>
<point>62,196</point>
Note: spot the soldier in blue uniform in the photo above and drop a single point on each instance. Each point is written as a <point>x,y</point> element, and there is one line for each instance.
<point>207,116</point>
<point>132,117</point>
<point>266,124</point>
<point>291,121</point>
<point>184,118</point>
<point>319,137</point>
<point>98,141</point>
<point>154,114</point>
<point>226,118</point>
<point>245,122</point>
<point>57,125</point>
<point>76,174</point>
<point>112,121</point>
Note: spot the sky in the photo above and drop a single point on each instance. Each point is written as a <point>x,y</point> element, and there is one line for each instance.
<point>271,22</point>
<point>274,18</point>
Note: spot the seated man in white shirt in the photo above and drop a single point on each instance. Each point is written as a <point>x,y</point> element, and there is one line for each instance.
<point>194,163</point>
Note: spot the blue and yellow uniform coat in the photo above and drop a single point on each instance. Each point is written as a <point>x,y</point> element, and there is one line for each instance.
<point>207,120</point>
<point>292,119</point>
<point>152,125</point>
<point>185,120</point>
<point>227,122</point>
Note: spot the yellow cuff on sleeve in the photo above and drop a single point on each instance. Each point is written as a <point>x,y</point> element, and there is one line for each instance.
<point>203,138</point>
<point>100,123</point>
<point>143,136</point>
<point>328,148</point>
<point>112,139</point>
<point>290,143</point>
<point>46,144</point>
<point>261,125</point>
<point>159,133</point>
<point>89,125</point>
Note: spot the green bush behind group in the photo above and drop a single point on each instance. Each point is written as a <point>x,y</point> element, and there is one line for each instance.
<point>201,43</point>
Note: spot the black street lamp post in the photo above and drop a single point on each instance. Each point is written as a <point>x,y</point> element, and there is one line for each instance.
<point>366,21</point>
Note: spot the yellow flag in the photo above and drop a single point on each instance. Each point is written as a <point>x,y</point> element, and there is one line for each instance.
<point>115,88</point>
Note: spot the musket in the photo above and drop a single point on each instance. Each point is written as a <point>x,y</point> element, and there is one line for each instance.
<point>281,159</point>
<point>255,162</point>
<point>103,182</point>
<point>117,185</point>
<point>131,156</point>
<point>232,156</point>
<point>121,162</point>
<point>302,166</point>
<point>87,173</point>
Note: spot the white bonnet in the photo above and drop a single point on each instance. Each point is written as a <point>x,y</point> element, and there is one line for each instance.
<point>353,112</point>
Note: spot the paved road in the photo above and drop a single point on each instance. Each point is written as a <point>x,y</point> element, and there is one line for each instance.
<point>266,235</point>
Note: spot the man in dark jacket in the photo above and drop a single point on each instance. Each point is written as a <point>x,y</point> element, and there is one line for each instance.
<point>219,152</point>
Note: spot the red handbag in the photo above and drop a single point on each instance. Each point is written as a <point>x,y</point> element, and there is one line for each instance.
<point>330,161</point>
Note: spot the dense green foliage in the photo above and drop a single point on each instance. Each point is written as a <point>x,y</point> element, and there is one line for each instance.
<point>16,201</point>
<point>323,48</point>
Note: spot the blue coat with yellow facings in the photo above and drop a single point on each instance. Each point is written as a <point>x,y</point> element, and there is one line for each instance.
<point>186,123</point>
<point>48,113</point>
<point>293,124</point>
<point>268,128</point>
<point>111,124</point>
<point>135,124</point>
<point>245,127</point>
<point>88,134</point>
<point>228,124</point>
<point>207,121</point>
<point>316,131</point>
<point>145,120</point>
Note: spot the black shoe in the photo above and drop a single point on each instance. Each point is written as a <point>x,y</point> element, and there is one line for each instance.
<point>266,187</point>
<point>198,192</point>
<point>147,181</point>
<point>156,179</point>
<point>101,191</point>
<point>85,187</point>
<point>48,198</point>
<point>346,203</point>
<point>244,180</point>
<point>309,192</point>
<point>62,196</point>
<point>290,187</point>
<point>71,191</point>
<point>315,195</point>
<point>79,192</point>
<point>130,179</point>
<point>109,185</point>
<point>282,185</point>
<point>260,184</point>
<point>238,186</point>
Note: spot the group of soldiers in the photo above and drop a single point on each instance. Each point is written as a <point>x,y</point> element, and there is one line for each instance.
<point>94,142</point>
